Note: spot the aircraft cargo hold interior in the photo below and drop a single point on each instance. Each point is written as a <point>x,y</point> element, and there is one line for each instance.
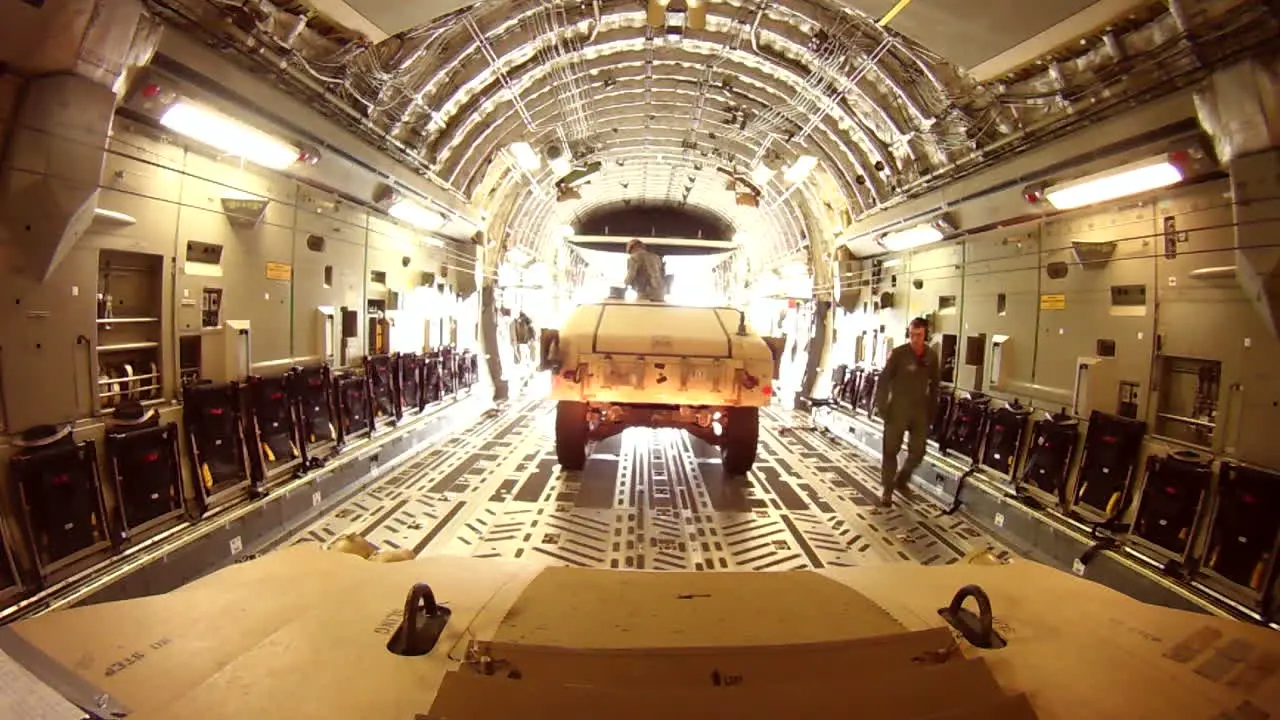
<point>433,359</point>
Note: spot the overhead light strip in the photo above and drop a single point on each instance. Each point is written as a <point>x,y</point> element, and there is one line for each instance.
<point>911,238</point>
<point>229,136</point>
<point>416,215</point>
<point>1124,181</point>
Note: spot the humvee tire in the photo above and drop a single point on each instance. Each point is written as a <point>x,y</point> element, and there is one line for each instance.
<point>571,434</point>
<point>740,436</point>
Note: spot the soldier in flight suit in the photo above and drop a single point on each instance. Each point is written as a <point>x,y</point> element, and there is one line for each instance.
<point>644,273</point>
<point>907,398</point>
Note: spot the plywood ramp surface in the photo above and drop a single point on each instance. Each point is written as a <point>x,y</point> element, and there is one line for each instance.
<point>297,634</point>
<point>302,634</point>
<point>863,662</point>
<point>1082,650</point>
<point>972,692</point>
<point>601,609</point>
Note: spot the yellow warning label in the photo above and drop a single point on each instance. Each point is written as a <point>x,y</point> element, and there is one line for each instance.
<point>1053,302</point>
<point>279,271</point>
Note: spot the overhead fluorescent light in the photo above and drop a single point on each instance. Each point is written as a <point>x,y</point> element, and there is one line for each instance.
<point>912,237</point>
<point>800,169</point>
<point>114,216</point>
<point>761,174</point>
<point>1132,179</point>
<point>741,238</point>
<point>526,156</point>
<point>518,256</point>
<point>229,136</point>
<point>793,269</point>
<point>416,215</point>
<point>561,165</point>
<point>565,231</point>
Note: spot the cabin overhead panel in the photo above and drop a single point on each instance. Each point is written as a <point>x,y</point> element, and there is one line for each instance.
<point>379,19</point>
<point>970,34</point>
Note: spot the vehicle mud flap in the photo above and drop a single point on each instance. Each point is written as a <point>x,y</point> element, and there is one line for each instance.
<point>571,435</point>
<point>777,346</point>
<point>978,629</point>
<point>741,438</point>
<point>422,625</point>
<point>549,350</point>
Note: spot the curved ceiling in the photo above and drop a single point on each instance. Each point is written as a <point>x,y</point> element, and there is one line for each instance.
<point>701,105</point>
<point>630,219</point>
<point>677,115</point>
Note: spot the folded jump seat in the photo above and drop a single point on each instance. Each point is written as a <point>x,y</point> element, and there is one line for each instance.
<point>354,407</point>
<point>839,374</point>
<point>215,434</point>
<point>1054,440</point>
<point>1104,484</point>
<point>1006,427</point>
<point>382,389</point>
<point>11,585</point>
<point>61,497</point>
<point>852,387</point>
<point>465,378</point>
<point>942,416</point>
<point>1244,535</point>
<point>432,384</point>
<point>448,371</point>
<point>145,468</point>
<point>867,382</point>
<point>311,389</point>
<point>272,428</point>
<point>1173,498</point>
<point>408,377</point>
<point>964,431</point>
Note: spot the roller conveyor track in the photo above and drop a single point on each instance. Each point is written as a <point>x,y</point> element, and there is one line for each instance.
<point>647,499</point>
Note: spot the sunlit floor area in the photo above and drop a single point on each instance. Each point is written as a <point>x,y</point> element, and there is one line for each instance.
<point>647,499</point>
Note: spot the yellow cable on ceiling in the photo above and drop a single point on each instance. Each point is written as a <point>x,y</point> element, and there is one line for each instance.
<point>889,16</point>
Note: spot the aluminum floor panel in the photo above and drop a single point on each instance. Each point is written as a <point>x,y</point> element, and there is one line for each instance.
<point>647,499</point>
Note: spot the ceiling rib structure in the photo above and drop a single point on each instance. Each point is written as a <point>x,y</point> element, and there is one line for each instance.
<point>707,105</point>
<point>673,115</point>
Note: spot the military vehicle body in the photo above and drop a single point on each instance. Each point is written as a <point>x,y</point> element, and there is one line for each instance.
<point>616,365</point>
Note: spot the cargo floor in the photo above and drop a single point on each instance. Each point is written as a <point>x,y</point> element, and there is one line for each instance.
<point>647,499</point>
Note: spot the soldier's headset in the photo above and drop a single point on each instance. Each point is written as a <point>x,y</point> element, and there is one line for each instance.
<point>928,330</point>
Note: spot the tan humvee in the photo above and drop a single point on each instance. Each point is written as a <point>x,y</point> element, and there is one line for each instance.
<point>621,364</point>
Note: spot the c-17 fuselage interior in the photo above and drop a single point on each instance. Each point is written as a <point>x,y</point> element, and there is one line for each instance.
<point>447,360</point>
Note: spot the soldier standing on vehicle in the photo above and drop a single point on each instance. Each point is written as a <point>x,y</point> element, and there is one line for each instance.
<point>644,273</point>
<point>907,398</point>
